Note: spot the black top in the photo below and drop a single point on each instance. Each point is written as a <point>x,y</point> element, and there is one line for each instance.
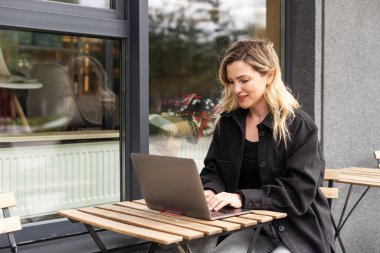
<point>249,172</point>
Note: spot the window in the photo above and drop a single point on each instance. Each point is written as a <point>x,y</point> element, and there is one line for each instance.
<point>64,127</point>
<point>186,38</point>
<point>59,120</point>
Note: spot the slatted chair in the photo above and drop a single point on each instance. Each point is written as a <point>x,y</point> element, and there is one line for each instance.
<point>331,193</point>
<point>377,157</point>
<point>9,224</point>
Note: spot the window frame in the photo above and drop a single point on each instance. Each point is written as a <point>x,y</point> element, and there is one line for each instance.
<point>67,18</point>
<point>126,21</point>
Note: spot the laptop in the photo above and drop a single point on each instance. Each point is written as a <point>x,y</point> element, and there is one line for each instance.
<point>173,185</point>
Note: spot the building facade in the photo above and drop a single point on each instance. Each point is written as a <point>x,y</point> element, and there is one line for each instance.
<point>84,83</point>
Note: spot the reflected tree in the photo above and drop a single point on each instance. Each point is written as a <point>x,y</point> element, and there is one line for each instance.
<point>185,40</point>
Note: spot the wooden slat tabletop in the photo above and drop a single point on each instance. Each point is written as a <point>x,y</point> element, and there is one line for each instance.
<point>187,234</point>
<point>360,176</point>
<point>274,215</point>
<point>242,221</point>
<point>118,227</point>
<point>258,217</point>
<point>227,226</point>
<point>373,171</point>
<point>137,220</point>
<point>208,230</point>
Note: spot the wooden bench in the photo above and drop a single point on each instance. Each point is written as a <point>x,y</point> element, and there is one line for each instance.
<point>137,220</point>
<point>9,224</point>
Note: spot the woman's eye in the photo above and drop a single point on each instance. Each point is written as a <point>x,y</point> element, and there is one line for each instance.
<point>244,81</point>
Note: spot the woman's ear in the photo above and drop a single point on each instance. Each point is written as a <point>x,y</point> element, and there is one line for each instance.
<point>270,76</point>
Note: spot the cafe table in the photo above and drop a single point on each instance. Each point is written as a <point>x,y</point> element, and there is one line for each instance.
<point>135,219</point>
<point>355,176</point>
<point>13,87</point>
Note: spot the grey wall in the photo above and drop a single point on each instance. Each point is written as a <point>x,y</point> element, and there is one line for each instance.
<point>351,106</point>
<point>345,99</point>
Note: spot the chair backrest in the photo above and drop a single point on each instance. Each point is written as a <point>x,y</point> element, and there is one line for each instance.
<point>377,157</point>
<point>8,224</point>
<point>55,97</point>
<point>330,192</point>
<point>332,174</point>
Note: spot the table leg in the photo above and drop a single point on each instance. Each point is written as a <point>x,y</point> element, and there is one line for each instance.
<point>21,114</point>
<point>342,221</point>
<point>352,209</point>
<point>96,238</point>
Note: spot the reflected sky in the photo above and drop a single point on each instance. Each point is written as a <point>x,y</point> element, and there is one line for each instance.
<point>215,18</point>
<point>242,11</point>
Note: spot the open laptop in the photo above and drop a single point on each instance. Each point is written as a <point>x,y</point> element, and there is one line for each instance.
<point>173,185</point>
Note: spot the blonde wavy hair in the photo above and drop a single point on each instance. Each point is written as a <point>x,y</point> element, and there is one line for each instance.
<point>260,54</point>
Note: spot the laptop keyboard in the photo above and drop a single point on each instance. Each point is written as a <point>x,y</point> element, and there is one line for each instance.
<point>221,212</point>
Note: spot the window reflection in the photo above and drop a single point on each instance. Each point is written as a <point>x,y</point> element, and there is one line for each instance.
<point>185,39</point>
<point>59,121</point>
<point>57,83</point>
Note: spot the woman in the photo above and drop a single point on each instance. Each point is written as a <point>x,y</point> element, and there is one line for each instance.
<point>265,154</point>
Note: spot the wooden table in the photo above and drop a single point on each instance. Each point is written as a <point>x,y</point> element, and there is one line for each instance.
<point>368,177</point>
<point>137,220</point>
<point>16,103</point>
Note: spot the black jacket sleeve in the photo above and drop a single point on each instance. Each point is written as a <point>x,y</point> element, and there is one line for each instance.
<point>295,190</point>
<point>211,174</point>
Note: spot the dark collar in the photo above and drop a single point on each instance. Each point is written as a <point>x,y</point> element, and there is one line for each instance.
<point>240,114</point>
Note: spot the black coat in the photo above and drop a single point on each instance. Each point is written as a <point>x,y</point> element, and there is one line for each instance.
<point>290,178</point>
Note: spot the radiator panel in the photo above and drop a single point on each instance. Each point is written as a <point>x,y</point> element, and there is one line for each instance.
<point>49,178</point>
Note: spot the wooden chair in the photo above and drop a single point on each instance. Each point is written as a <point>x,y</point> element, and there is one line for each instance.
<point>331,192</point>
<point>377,157</point>
<point>9,224</point>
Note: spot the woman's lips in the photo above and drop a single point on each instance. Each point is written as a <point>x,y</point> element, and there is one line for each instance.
<point>242,98</point>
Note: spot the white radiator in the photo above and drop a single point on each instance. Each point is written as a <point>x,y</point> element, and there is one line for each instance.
<point>48,178</point>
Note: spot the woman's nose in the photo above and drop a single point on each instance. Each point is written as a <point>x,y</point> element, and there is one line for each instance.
<point>237,89</point>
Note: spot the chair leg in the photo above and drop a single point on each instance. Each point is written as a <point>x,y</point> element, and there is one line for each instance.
<point>254,238</point>
<point>11,236</point>
<point>12,242</point>
<point>153,247</point>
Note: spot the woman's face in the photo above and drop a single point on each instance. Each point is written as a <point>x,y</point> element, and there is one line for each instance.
<point>247,85</point>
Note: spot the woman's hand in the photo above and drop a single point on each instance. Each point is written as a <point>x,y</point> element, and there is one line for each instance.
<point>217,201</point>
<point>209,195</point>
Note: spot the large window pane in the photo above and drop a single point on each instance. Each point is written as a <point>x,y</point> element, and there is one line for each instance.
<point>59,120</point>
<point>186,39</point>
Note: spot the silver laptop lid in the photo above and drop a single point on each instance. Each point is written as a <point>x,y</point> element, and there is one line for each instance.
<point>171,184</point>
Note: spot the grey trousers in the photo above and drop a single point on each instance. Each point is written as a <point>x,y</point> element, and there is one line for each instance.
<point>239,242</point>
